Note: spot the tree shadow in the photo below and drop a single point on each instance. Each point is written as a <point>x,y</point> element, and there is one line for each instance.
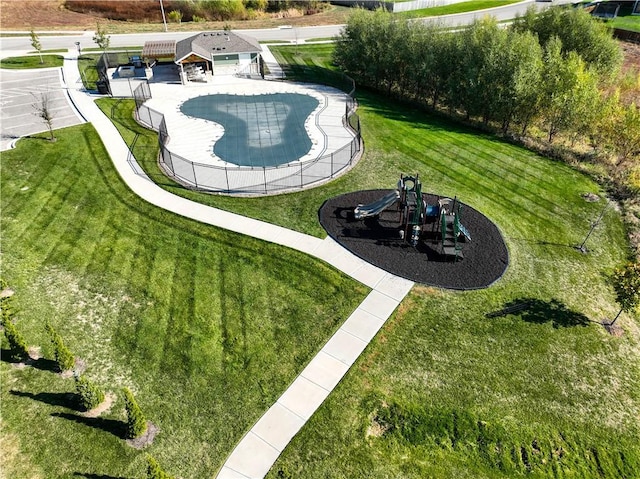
<point>68,400</point>
<point>41,363</point>
<point>87,475</point>
<point>113,426</point>
<point>533,310</point>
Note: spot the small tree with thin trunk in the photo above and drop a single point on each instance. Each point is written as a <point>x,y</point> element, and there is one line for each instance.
<point>136,422</point>
<point>101,38</point>
<point>91,396</point>
<point>42,107</point>
<point>62,355</point>
<point>35,43</point>
<point>626,284</point>
<point>154,471</point>
<point>17,345</point>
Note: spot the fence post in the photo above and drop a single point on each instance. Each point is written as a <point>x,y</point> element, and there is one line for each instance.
<point>264,174</point>
<point>226,174</point>
<point>331,165</point>
<point>193,167</point>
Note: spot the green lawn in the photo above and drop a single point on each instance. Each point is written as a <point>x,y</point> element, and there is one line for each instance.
<point>626,22</point>
<point>33,61</point>
<point>443,391</point>
<point>462,7</point>
<point>207,328</point>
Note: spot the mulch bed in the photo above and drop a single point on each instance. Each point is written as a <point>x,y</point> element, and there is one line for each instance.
<point>377,241</point>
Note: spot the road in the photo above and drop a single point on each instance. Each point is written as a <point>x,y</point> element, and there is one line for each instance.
<point>11,46</point>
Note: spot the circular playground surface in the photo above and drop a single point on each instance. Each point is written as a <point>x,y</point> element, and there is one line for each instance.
<point>377,241</point>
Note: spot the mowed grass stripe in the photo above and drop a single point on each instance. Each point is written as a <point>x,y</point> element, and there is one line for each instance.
<point>137,293</point>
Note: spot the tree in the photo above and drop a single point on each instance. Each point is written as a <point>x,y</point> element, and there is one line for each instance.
<point>626,284</point>
<point>136,422</point>
<point>62,355</point>
<point>101,38</point>
<point>91,396</point>
<point>569,91</point>
<point>42,108</point>
<point>154,471</point>
<point>17,345</point>
<point>35,43</point>
<point>579,32</point>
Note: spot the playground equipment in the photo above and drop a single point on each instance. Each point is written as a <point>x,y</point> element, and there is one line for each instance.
<point>416,213</point>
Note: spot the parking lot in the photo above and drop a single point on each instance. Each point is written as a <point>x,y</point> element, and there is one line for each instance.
<point>21,92</point>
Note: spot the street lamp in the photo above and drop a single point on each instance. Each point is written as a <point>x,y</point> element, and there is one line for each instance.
<point>164,20</point>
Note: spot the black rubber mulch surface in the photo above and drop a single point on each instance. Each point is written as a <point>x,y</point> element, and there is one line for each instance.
<point>377,241</point>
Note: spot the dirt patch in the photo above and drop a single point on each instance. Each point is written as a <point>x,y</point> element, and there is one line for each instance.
<point>52,15</point>
<point>109,399</point>
<point>42,14</point>
<point>146,439</point>
<point>613,329</point>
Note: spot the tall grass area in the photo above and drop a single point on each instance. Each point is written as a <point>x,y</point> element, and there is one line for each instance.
<point>207,328</point>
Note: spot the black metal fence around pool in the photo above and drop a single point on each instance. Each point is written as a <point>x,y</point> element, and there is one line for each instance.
<point>253,180</point>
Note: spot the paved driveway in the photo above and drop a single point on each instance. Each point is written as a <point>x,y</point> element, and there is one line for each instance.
<point>20,91</point>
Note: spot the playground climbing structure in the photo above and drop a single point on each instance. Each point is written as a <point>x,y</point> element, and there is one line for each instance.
<point>420,221</point>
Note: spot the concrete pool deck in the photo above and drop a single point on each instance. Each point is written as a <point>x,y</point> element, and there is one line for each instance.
<point>324,126</point>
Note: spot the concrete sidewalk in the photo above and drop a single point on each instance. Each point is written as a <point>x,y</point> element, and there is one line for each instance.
<point>260,447</point>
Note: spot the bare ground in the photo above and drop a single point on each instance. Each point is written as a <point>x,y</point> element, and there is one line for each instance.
<point>52,15</point>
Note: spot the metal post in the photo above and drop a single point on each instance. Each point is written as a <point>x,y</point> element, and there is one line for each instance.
<point>226,174</point>
<point>331,165</point>
<point>264,172</point>
<point>195,180</point>
<point>581,248</point>
<point>164,19</point>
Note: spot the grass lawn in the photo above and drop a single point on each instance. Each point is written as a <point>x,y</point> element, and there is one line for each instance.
<point>33,61</point>
<point>207,328</point>
<point>626,22</point>
<point>443,391</point>
<point>454,8</point>
<point>446,392</point>
<point>88,72</point>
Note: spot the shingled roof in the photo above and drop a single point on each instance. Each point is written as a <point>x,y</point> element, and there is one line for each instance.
<point>217,42</point>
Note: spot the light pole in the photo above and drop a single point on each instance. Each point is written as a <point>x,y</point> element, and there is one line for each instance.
<point>164,19</point>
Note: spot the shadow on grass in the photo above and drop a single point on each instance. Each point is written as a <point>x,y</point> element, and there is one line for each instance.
<point>96,476</point>
<point>68,400</point>
<point>41,363</point>
<point>113,426</point>
<point>533,310</point>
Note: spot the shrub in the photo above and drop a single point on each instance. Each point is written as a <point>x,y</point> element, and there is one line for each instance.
<point>175,16</point>
<point>154,471</point>
<point>136,422</point>
<point>17,344</point>
<point>62,355</point>
<point>198,19</point>
<point>6,301</point>
<point>91,396</point>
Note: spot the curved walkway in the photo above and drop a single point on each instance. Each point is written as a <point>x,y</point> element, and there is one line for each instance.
<point>260,447</point>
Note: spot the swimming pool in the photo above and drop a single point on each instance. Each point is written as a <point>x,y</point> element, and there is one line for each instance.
<point>262,130</point>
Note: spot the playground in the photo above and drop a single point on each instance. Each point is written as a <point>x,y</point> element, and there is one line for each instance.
<point>419,236</point>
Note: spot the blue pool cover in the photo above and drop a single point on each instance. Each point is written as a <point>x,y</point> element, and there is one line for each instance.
<point>259,130</point>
